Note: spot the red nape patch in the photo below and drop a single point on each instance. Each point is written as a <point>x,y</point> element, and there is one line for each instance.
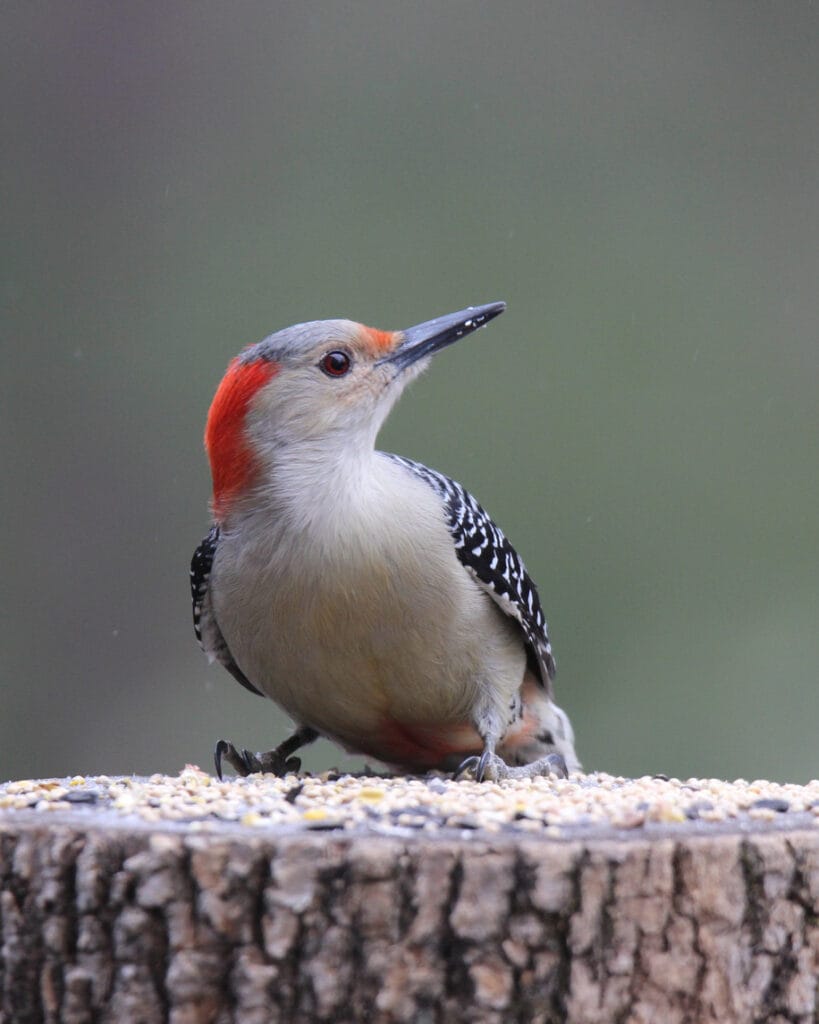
<point>381,341</point>
<point>231,460</point>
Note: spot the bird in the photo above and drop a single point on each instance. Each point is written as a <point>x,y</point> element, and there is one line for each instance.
<point>370,597</point>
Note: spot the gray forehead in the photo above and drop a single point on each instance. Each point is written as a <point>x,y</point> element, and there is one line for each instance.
<point>293,341</point>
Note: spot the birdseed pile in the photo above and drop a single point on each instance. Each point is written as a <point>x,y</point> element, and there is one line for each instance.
<point>404,805</point>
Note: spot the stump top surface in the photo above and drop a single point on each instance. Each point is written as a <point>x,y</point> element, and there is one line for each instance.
<point>588,900</point>
<point>584,806</point>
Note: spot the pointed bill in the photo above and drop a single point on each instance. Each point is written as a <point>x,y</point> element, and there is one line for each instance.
<point>431,336</point>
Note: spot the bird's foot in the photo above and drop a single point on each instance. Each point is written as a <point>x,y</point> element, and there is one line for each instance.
<point>493,768</point>
<point>245,763</point>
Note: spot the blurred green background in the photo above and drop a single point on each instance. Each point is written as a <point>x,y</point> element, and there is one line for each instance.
<point>640,182</point>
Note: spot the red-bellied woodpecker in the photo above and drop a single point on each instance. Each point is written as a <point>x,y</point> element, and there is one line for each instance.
<point>372,598</point>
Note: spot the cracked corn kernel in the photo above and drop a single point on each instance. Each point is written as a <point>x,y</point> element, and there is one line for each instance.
<point>370,793</point>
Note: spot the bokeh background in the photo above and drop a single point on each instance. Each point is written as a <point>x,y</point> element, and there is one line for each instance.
<point>639,181</point>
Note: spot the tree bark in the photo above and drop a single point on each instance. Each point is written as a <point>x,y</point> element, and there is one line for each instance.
<point>117,922</point>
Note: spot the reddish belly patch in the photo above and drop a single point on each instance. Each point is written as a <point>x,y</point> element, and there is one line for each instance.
<point>422,747</point>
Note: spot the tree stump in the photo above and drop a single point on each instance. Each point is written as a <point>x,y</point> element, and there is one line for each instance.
<point>109,917</point>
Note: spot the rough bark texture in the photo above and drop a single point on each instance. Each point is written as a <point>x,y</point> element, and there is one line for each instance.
<point>118,924</point>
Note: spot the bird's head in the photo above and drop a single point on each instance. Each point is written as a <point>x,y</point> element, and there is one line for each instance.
<point>314,386</point>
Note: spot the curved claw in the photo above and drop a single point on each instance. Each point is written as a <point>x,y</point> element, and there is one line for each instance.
<point>470,763</point>
<point>218,754</point>
<point>245,762</point>
<point>477,764</point>
<point>242,762</point>
<point>484,760</point>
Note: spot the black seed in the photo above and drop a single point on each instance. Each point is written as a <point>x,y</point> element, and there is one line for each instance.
<point>772,804</point>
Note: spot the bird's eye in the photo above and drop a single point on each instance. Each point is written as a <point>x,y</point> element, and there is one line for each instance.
<point>335,364</point>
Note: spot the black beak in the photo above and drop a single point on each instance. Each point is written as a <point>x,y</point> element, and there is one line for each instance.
<point>433,335</point>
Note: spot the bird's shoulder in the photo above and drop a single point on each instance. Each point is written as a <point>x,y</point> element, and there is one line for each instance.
<point>489,557</point>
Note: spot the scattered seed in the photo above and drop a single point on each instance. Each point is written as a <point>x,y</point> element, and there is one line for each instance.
<point>540,806</point>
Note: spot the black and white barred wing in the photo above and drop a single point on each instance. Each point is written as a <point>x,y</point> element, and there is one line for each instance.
<point>491,560</point>
<point>204,624</point>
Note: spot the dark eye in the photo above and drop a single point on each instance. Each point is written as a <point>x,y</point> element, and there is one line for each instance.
<point>335,364</point>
